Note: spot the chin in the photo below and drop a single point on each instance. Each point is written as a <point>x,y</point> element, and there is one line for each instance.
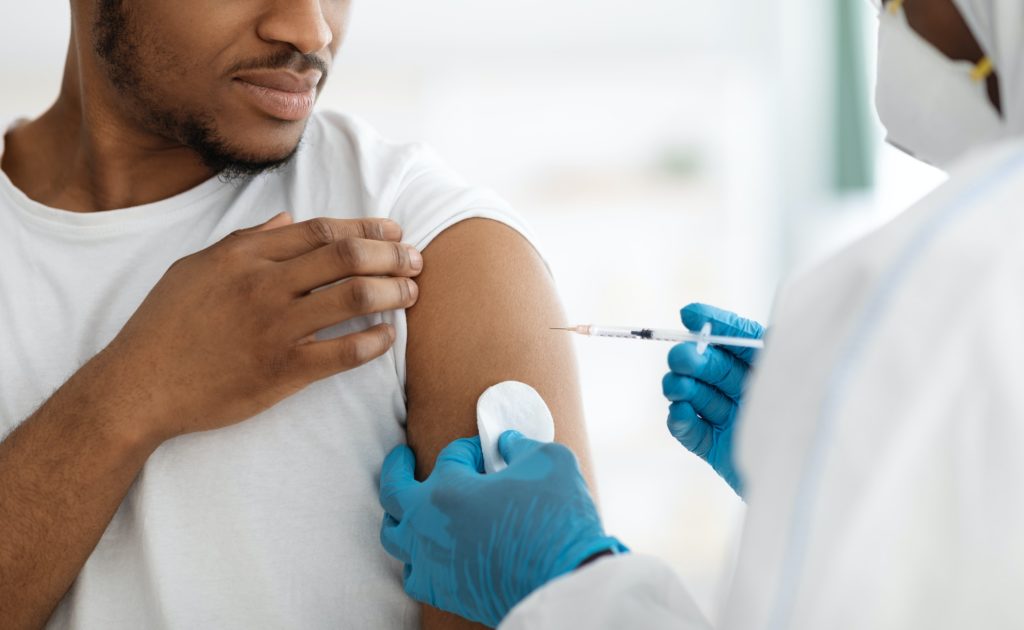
<point>268,139</point>
<point>242,144</point>
<point>268,155</point>
<point>247,160</point>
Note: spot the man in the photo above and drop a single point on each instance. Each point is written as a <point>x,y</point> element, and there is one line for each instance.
<point>880,445</point>
<point>192,408</point>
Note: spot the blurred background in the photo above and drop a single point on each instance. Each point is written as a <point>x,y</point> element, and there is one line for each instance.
<point>664,151</point>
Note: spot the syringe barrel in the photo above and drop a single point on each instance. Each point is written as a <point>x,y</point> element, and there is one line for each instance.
<point>672,336</point>
<point>652,334</point>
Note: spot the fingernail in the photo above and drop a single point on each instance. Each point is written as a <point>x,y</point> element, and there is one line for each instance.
<point>415,259</point>
<point>414,289</point>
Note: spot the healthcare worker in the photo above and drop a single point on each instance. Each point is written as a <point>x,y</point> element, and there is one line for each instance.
<point>880,448</point>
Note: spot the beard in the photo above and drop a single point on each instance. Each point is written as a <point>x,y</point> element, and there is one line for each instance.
<point>116,42</point>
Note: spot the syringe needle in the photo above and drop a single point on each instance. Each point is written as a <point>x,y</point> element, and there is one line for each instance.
<point>579,330</point>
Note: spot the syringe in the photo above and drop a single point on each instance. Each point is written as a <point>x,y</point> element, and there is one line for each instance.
<point>703,339</point>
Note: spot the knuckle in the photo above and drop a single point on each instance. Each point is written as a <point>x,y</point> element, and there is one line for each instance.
<point>240,233</point>
<point>384,337</point>
<point>400,256</point>
<point>351,253</point>
<point>320,232</point>
<point>686,388</point>
<point>684,359</point>
<point>348,354</point>
<point>378,343</point>
<point>361,296</point>
<point>361,349</point>
<point>232,254</point>
<point>230,249</point>
<point>722,372</point>
<point>558,453</point>
<point>682,411</point>
<point>701,398</point>
<point>371,230</point>
<point>404,291</point>
<point>668,385</point>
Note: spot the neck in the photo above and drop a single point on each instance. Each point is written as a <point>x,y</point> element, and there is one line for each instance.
<point>85,154</point>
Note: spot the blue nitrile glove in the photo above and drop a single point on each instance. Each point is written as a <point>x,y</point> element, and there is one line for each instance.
<point>477,544</point>
<point>706,390</point>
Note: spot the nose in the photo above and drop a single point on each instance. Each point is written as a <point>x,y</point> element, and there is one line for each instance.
<point>302,24</point>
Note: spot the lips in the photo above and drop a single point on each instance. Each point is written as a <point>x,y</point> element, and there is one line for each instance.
<point>281,94</point>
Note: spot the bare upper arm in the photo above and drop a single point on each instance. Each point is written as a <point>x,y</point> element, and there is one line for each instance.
<point>486,304</point>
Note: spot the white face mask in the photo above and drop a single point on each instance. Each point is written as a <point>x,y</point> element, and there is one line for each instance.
<point>934,108</point>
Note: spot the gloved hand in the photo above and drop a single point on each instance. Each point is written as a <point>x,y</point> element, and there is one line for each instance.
<point>476,544</point>
<point>706,390</point>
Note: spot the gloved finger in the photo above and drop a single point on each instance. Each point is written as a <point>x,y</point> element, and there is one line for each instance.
<point>513,445</point>
<point>724,323</point>
<point>414,586</point>
<point>715,367</point>
<point>462,456</point>
<point>689,429</point>
<point>397,477</point>
<point>710,403</point>
<point>393,539</point>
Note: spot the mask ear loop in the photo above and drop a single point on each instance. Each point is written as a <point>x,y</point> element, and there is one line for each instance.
<point>981,73</point>
<point>983,70</point>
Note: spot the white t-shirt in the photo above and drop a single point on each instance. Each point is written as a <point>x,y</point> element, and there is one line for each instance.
<point>272,523</point>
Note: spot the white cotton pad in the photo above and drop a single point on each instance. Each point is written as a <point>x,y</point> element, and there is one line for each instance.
<point>506,406</point>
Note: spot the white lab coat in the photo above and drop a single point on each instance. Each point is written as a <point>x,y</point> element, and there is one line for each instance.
<point>882,443</point>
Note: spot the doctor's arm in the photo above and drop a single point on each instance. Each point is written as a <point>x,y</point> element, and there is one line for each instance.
<point>523,548</point>
<point>486,302</point>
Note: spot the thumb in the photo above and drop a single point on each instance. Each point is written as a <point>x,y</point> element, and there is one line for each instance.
<point>726,323</point>
<point>396,476</point>
<point>513,445</point>
<point>280,219</point>
<point>464,455</point>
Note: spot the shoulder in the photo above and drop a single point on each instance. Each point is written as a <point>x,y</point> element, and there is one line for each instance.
<point>339,146</point>
<point>407,182</point>
<point>383,169</point>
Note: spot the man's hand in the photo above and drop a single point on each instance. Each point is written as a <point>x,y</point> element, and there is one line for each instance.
<point>706,389</point>
<point>475,544</point>
<point>228,331</point>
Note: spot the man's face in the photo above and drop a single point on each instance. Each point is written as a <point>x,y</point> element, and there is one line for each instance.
<point>235,80</point>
